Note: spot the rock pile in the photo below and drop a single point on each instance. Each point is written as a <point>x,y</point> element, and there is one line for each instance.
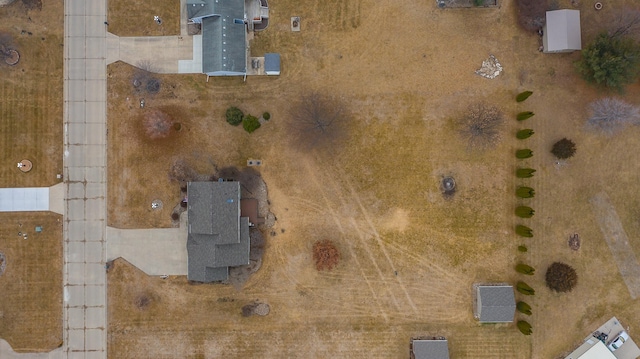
<point>490,68</point>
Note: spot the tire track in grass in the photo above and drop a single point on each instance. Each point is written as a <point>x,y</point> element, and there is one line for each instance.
<point>382,246</point>
<point>342,231</point>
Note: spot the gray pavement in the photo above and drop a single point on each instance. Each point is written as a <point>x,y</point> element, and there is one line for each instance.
<point>85,94</point>
<point>158,251</point>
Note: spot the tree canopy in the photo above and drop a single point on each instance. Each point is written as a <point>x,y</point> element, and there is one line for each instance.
<point>613,62</point>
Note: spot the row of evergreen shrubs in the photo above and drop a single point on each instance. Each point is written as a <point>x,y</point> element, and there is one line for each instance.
<point>524,212</point>
<point>250,123</point>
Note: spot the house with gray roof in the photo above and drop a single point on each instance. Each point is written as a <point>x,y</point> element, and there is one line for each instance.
<point>495,303</point>
<point>436,348</point>
<point>218,238</point>
<point>224,35</point>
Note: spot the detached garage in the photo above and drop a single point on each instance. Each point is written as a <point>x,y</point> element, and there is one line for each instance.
<point>562,31</point>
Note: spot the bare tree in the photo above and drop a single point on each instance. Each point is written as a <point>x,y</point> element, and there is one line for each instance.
<point>481,125</point>
<point>318,120</point>
<point>32,4</point>
<point>609,114</point>
<point>144,78</point>
<point>625,22</point>
<point>6,44</point>
<point>157,124</point>
<point>182,172</point>
<point>532,14</point>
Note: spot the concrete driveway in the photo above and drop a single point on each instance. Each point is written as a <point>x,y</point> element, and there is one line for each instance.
<point>154,251</point>
<point>163,54</point>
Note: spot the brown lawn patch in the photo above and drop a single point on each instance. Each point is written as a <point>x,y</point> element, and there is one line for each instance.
<point>136,18</point>
<point>31,95</point>
<point>31,286</point>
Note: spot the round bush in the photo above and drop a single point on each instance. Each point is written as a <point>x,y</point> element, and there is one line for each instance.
<point>250,123</point>
<point>564,149</point>
<point>561,277</point>
<point>266,116</point>
<point>234,116</point>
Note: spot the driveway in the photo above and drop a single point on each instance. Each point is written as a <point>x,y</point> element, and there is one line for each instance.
<point>155,251</point>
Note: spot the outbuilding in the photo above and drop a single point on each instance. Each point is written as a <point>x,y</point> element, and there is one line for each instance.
<point>495,303</point>
<point>561,32</point>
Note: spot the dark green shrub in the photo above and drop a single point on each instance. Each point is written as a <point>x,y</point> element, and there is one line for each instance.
<point>524,231</point>
<point>523,96</point>
<point>523,308</point>
<point>564,149</point>
<point>250,123</point>
<point>524,288</point>
<point>522,249</point>
<point>524,327</point>
<point>525,172</point>
<point>524,115</point>
<point>234,116</point>
<point>609,61</point>
<point>525,192</point>
<point>478,2</point>
<point>524,153</point>
<point>525,269</point>
<point>266,116</point>
<point>526,133</point>
<point>524,211</point>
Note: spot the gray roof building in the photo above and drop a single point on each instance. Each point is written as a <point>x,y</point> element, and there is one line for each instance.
<point>429,349</point>
<point>495,304</point>
<point>272,64</point>
<point>224,35</point>
<point>218,238</point>
<point>561,31</point>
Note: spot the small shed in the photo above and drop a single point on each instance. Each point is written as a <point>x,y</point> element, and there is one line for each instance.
<point>436,348</point>
<point>495,303</point>
<point>272,64</point>
<point>561,32</point>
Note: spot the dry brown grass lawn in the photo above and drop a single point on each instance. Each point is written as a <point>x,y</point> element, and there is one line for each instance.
<point>409,257</point>
<point>31,128</point>
<point>31,96</point>
<point>31,286</point>
<point>135,18</point>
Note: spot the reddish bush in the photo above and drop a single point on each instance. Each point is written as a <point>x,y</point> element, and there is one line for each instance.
<point>325,254</point>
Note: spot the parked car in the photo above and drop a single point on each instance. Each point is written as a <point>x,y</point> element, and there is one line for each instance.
<point>618,341</point>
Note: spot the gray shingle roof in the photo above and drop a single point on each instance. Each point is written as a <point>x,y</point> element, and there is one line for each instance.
<point>223,35</point>
<point>430,349</point>
<point>218,237</point>
<point>199,8</point>
<point>496,304</point>
<point>214,209</point>
<point>272,63</point>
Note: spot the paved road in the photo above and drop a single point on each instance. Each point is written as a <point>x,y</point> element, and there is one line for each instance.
<point>85,94</point>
